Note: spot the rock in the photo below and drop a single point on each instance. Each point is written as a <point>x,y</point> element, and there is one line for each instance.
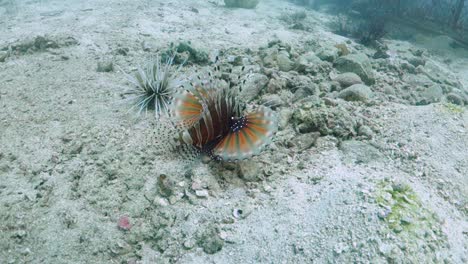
<point>186,53</point>
<point>357,63</point>
<point>124,223</point>
<point>328,54</point>
<point>42,43</point>
<point>386,249</point>
<point>234,60</point>
<point>242,3</point>
<point>210,241</point>
<point>249,170</point>
<point>306,91</point>
<point>340,248</point>
<point>201,193</point>
<point>408,67</point>
<point>416,61</point>
<point>455,99</point>
<point>105,66</point>
<point>308,63</point>
<point>325,119</point>
<point>272,100</point>
<point>284,117</point>
<point>3,56</point>
<point>417,80</point>
<point>275,85</point>
<point>165,185</point>
<point>189,243</point>
<point>342,49</point>
<point>365,131</point>
<point>146,46</point>
<point>305,141</point>
<point>440,74</point>
<point>431,94</point>
<point>296,82</point>
<point>406,220</point>
<point>359,152</point>
<point>357,92</point>
<point>283,61</point>
<point>253,86</point>
<point>347,79</point>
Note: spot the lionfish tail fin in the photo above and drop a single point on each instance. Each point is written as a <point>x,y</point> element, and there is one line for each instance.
<point>248,136</point>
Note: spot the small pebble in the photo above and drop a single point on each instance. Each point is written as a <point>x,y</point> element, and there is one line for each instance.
<point>201,193</point>
<point>124,223</point>
<point>105,66</point>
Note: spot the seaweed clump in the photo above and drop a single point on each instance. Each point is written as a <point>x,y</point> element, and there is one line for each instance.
<point>368,32</point>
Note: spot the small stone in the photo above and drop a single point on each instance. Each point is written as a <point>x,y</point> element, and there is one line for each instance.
<point>342,49</point>
<point>365,131</point>
<point>272,100</point>
<point>340,248</point>
<point>283,61</point>
<point>328,54</point>
<point>249,170</point>
<point>385,249</point>
<point>284,117</point>
<point>202,193</point>
<point>189,244</point>
<point>406,220</point>
<point>235,60</point>
<point>357,92</point>
<point>454,99</point>
<point>124,223</point>
<point>431,94</point>
<point>160,201</point>
<point>210,241</point>
<point>382,214</point>
<point>359,64</point>
<point>253,86</point>
<point>397,229</point>
<point>165,185</point>
<point>3,56</point>
<point>308,62</point>
<point>347,79</point>
<point>105,66</point>
<point>305,141</point>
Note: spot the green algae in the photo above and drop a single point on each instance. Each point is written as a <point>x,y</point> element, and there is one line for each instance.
<point>417,230</point>
<point>405,214</point>
<point>453,108</point>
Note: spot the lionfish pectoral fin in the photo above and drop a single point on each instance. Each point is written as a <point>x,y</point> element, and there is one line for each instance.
<point>249,140</point>
<point>187,109</point>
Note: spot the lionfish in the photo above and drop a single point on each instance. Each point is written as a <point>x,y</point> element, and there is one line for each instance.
<point>215,122</point>
<point>207,116</point>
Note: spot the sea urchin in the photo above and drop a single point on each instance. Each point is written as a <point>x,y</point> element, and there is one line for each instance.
<point>153,86</point>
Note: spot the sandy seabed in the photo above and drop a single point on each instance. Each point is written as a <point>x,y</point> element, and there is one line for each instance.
<point>74,162</point>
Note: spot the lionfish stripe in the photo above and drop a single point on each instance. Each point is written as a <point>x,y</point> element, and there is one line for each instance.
<point>245,141</point>
<point>187,109</point>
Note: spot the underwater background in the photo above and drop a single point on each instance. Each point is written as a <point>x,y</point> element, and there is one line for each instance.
<point>233,131</point>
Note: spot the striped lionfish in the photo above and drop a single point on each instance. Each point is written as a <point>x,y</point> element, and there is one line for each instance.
<point>215,122</point>
<point>209,118</point>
